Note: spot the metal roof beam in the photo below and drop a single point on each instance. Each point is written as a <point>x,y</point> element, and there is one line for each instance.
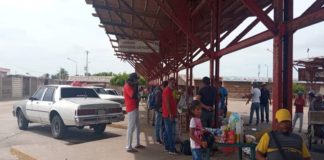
<point>182,27</point>
<point>261,37</point>
<point>249,28</point>
<point>124,26</point>
<point>316,5</point>
<point>139,18</point>
<point>306,20</point>
<point>127,11</point>
<point>261,15</point>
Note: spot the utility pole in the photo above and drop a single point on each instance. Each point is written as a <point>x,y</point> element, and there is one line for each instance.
<point>267,72</point>
<point>86,69</point>
<point>259,71</point>
<point>76,65</point>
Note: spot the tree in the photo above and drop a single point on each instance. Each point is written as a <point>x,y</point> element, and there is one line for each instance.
<point>62,74</point>
<point>298,88</point>
<point>142,81</point>
<point>46,75</point>
<point>120,79</point>
<point>104,74</point>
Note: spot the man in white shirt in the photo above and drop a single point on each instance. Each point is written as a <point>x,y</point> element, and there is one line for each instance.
<point>255,96</point>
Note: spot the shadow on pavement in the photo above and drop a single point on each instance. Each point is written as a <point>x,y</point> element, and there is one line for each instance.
<point>73,135</point>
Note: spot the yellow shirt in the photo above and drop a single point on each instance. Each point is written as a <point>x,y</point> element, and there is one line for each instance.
<point>264,143</point>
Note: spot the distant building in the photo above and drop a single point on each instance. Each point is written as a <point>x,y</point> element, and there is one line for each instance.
<point>4,72</point>
<point>103,81</point>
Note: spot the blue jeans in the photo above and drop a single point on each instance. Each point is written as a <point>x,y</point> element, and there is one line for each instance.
<point>158,124</point>
<point>169,141</point>
<point>264,109</point>
<point>254,107</point>
<point>196,154</point>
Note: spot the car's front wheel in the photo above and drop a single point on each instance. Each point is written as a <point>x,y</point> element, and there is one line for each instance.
<point>99,128</point>
<point>22,121</point>
<point>57,126</point>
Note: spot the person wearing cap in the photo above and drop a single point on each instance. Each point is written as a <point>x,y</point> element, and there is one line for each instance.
<point>282,143</point>
<point>131,103</point>
<point>299,112</point>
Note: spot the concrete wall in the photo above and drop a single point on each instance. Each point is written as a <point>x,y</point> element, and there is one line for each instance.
<point>6,88</point>
<point>17,87</point>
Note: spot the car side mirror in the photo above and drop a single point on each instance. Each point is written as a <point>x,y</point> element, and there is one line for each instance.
<point>31,98</point>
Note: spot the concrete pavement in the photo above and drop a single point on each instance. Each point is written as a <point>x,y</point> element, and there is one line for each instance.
<point>37,143</point>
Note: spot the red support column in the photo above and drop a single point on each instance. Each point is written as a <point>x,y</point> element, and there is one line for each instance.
<point>287,57</point>
<point>187,78</point>
<point>191,77</point>
<point>277,63</point>
<point>217,60</point>
<point>212,39</point>
<point>282,57</point>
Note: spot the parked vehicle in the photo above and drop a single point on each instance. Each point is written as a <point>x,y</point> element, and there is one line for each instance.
<point>63,106</point>
<point>107,95</point>
<point>111,91</point>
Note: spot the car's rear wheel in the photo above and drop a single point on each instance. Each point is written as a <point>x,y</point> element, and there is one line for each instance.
<point>22,121</point>
<point>57,126</point>
<point>99,128</point>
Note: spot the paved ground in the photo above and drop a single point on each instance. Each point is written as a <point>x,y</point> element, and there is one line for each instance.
<point>37,143</point>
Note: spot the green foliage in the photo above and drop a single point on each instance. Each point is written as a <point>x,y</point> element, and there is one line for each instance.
<point>120,79</point>
<point>142,81</point>
<point>298,87</point>
<point>104,74</point>
<point>62,74</point>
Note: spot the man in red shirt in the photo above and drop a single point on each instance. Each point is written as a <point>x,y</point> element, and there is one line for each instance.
<point>169,113</point>
<point>131,103</point>
<point>299,113</point>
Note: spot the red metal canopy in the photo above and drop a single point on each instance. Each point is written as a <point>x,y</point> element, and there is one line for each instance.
<point>190,32</point>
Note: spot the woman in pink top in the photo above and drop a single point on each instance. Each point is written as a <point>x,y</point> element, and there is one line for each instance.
<point>196,131</point>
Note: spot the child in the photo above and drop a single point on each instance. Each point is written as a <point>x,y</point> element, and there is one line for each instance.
<point>299,103</point>
<point>196,131</point>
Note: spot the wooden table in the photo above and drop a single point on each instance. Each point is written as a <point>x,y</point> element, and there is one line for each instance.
<point>252,146</point>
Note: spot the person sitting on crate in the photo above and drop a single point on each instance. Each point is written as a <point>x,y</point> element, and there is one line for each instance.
<point>282,143</point>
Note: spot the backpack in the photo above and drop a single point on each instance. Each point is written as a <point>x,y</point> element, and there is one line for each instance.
<point>185,147</point>
<point>151,101</point>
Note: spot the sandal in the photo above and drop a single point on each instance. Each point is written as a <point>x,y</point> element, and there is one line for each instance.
<point>140,147</point>
<point>131,150</point>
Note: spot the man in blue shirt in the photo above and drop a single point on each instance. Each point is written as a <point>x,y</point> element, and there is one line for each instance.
<point>223,94</point>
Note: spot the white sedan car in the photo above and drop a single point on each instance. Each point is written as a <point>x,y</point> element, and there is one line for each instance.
<point>64,106</point>
<point>109,95</point>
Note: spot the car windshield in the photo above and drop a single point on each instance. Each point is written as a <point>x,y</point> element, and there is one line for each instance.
<point>78,92</point>
<point>111,92</point>
<point>100,91</point>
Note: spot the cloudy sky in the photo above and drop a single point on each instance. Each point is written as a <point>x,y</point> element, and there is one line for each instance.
<point>37,37</point>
